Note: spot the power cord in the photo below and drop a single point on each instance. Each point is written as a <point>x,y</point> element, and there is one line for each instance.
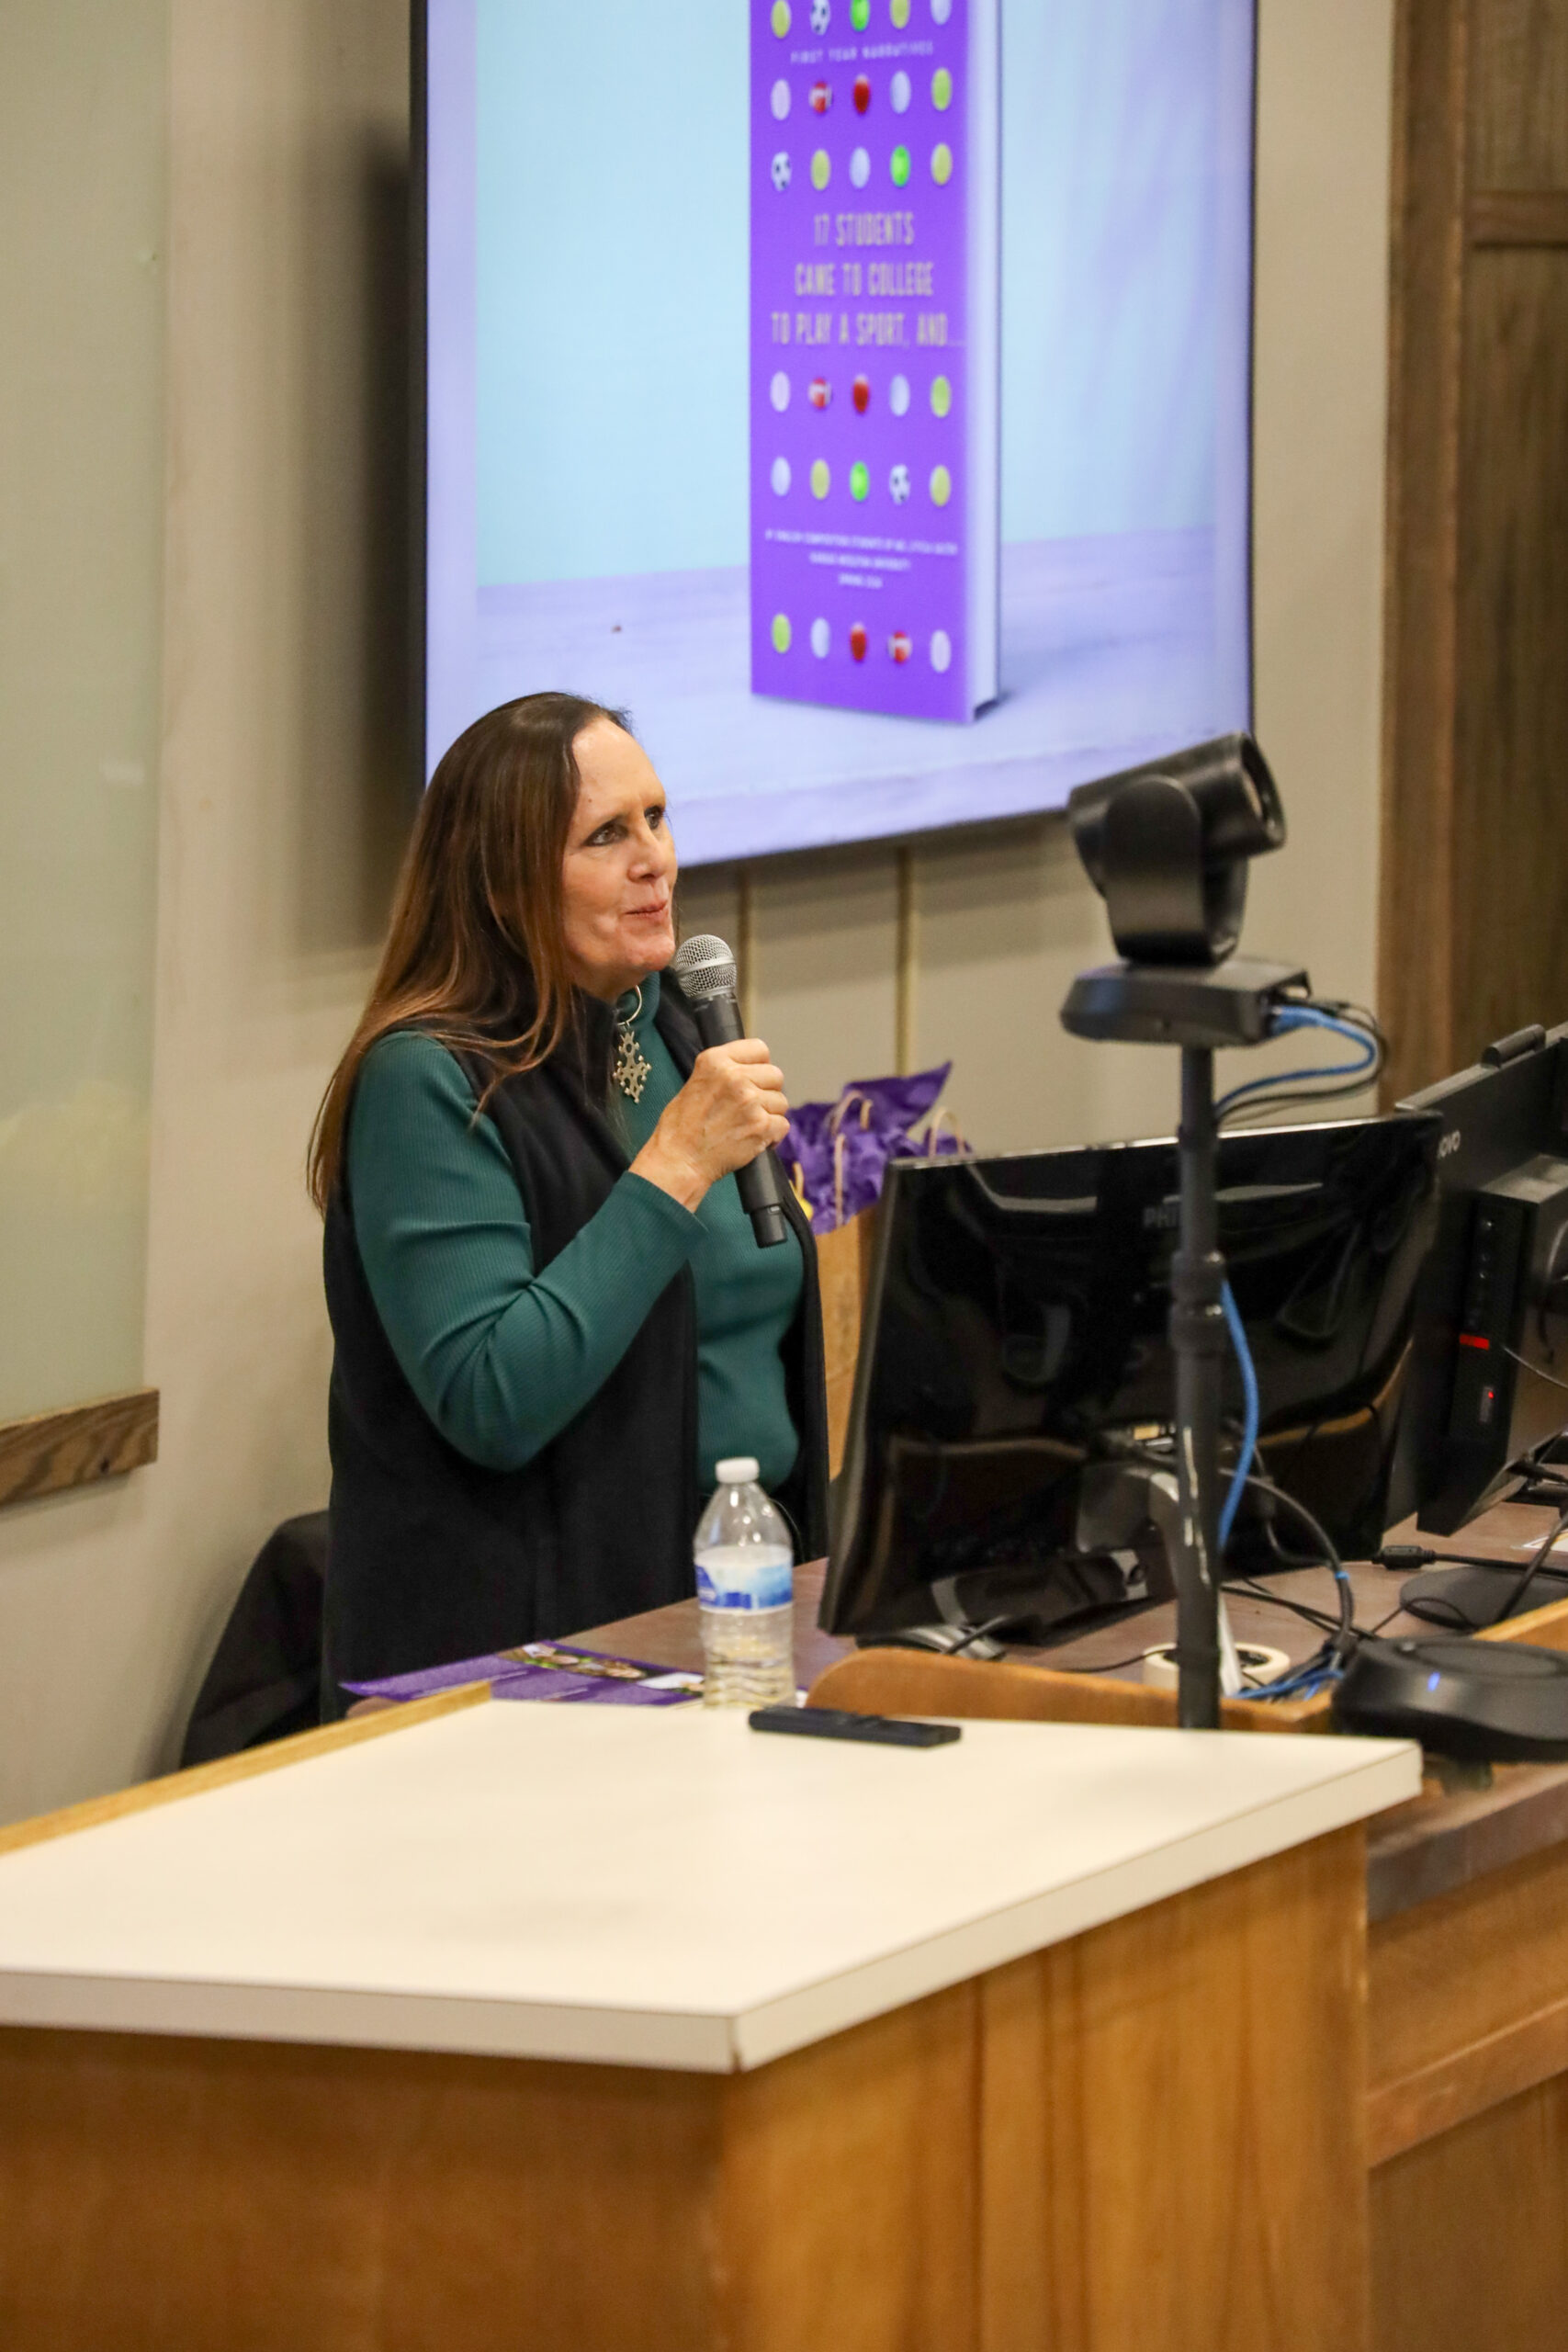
<point>1537,1562</point>
<point>1251,1414</point>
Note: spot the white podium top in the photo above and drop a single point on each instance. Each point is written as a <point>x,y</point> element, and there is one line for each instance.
<point>641,1887</point>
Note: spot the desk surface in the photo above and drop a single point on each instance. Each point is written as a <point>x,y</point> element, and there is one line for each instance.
<point>1440,1840</point>
<point>639,1887</point>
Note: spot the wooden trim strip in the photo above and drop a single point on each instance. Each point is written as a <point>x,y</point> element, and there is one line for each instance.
<point>243,1767</point>
<point>1546,1628</point>
<point>1508,216</point>
<point>1401,2115</point>
<point>49,1452</point>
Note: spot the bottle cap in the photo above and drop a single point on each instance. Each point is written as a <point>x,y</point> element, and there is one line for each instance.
<point>737,1470</point>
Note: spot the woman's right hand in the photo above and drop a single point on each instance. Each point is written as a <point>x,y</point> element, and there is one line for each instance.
<point>731,1109</point>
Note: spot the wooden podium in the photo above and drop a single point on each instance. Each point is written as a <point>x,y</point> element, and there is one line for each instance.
<point>483,2026</point>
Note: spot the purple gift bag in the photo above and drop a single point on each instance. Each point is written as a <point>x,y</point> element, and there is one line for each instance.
<point>837,1153</point>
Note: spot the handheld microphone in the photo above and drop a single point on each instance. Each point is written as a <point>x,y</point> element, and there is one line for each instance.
<point>706,969</point>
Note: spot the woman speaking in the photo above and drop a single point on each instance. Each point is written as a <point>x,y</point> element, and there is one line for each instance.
<point>550,1314</point>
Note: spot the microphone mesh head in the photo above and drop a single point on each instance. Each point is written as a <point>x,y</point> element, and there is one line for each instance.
<point>704,967</point>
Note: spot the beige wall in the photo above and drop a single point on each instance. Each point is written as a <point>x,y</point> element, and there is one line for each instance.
<point>281,809</point>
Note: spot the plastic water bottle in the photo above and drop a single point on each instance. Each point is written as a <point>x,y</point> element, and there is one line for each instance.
<point>745,1586</point>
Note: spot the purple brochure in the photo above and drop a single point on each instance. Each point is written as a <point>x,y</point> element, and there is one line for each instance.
<point>874,353</point>
<point>545,1670</point>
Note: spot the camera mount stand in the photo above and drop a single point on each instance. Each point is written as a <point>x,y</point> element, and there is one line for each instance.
<point>1198,1010</point>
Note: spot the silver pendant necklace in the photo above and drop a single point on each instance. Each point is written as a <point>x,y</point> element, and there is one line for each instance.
<point>633,1067</point>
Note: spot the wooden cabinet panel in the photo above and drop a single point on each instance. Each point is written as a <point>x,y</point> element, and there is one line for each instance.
<point>1469,2235</point>
<point>1473,926</point>
<point>1511,798</point>
<point>1519,94</point>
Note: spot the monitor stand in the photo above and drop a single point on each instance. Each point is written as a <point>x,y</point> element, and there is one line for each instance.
<point>1199,1009</point>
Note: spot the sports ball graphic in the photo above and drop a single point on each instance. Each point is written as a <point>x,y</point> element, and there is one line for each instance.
<point>858,641</point>
<point>941,649</point>
<point>820,392</point>
<point>899,395</point>
<point>863,92</point>
<point>899,646</point>
<point>778,390</point>
<point>781,170</point>
<point>780,477</point>
<point>779,100</point>
<point>821,16</point>
<point>821,638</point>
<point>900,90</point>
<point>859,168</point>
<point>821,97</point>
<point>860,392</point>
<point>899,484</point>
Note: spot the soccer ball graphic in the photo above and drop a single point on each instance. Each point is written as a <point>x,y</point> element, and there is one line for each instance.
<point>898,483</point>
<point>821,16</point>
<point>781,170</point>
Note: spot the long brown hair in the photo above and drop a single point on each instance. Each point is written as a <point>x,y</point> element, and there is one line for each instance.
<point>475,950</point>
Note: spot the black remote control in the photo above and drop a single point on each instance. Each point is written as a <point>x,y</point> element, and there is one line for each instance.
<point>837,1722</point>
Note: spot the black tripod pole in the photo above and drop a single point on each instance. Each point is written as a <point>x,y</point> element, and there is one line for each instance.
<point>1198,1345</point>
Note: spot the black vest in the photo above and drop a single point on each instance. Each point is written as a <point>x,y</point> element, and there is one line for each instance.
<point>432,1557</point>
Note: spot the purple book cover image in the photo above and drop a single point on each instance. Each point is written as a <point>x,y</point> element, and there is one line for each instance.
<point>875,366</point>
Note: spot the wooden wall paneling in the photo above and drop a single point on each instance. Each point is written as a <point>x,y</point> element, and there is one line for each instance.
<point>1417,887</point>
<point>1520,87</point>
<point>1534,216</point>
<point>1473,932</point>
<point>1469,2235</point>
<point>1511,806</point>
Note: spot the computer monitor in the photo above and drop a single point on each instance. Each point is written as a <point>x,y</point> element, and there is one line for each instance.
<point>1016,1334</point>
<point>1489,1374</point>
